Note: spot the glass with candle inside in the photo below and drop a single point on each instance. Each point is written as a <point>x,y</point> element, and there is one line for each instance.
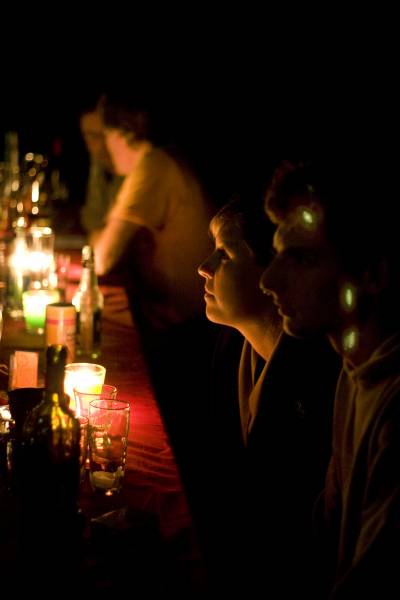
<point>40,256</point>
<point>34,304</point>
<point>86,377</point>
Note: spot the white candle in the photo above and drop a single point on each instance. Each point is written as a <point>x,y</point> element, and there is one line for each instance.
<point>86,377</point>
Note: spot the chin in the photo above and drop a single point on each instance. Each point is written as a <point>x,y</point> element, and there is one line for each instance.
<point>210,316</point>
<point>302,330</point>
<point>295,329</point>
<point>215,318</point>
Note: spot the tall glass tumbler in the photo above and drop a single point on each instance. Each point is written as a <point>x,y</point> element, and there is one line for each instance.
<point>108,442</point>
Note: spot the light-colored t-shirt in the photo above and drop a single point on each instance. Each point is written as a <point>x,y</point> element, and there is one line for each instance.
<point>101,193</point>
<point>164,198</point>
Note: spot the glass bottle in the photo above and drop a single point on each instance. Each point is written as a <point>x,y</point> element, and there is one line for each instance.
<point>49,476</point>
<point>12,209</point>
<point>17,273</point>
<point>88,301</point>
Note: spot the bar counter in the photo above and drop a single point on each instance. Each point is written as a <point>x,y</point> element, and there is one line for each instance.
<point>149,519</point>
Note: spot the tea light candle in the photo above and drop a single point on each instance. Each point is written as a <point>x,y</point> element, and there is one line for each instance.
<point>87,377</point>
<point>34,303</point>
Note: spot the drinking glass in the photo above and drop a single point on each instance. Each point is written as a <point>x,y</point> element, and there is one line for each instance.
<point>108,441</point>
<point>84,398</point>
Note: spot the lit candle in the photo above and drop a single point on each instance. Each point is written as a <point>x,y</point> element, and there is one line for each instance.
<point>34,303</point>
<point>86,377</point>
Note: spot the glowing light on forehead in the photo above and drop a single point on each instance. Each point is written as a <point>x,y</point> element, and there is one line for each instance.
<point>350,339</point>
<point>308,217</point>
<point>348,297</point>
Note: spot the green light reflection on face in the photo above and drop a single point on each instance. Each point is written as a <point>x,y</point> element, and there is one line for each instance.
<point>308,216</point>
<point>350,339</point>
<point>348,297</point>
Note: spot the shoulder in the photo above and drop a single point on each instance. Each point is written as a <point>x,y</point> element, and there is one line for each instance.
<point>157,160</point>
<point>387,423</point>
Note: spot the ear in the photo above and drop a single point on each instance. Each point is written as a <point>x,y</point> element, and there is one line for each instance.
<point>376,278</point>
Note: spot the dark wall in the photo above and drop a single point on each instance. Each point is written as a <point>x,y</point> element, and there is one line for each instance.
<point>226,129</point>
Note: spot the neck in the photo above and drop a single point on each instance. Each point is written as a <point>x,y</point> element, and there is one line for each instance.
<point>139,149</point>
<point>262,335</point>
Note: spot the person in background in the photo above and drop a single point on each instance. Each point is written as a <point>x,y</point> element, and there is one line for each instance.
<point>269,478</point>
<point>157,233</point>
<point>103,183</point>
<point>337,273</point>
<point>160,216</point>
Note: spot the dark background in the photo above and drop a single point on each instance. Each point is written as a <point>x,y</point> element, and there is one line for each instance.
<point>234,111</point>
<point>227,127</point>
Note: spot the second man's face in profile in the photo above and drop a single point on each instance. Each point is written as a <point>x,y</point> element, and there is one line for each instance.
<point>305,276</point>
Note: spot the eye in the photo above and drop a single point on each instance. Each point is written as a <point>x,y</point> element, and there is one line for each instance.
<point>307,259</point>
<point>222,254</point>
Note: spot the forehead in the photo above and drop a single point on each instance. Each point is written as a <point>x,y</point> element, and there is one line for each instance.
<point>225,230</point>
<point>302,226</point>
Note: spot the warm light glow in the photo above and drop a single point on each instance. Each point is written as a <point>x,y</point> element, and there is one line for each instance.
<point>39,261</point>
<point>21,222</point>
<point>86,377</point>
<point>17,260</point>
<point>35,191</point>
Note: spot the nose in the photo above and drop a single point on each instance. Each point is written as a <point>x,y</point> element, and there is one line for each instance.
<point>205,269</point>
<point>269,280</point>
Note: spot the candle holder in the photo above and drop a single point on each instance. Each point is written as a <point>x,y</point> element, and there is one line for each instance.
<point>17,276</point>
<point>86,377</point>
<point>40,256</point>
<point>34,304</point>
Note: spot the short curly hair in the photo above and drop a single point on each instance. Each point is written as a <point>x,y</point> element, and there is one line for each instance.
<point>256,229</point>
<point>128,113</point>
<point>358,198</point>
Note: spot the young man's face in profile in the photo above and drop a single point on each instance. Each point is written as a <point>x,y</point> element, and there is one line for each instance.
<point>305,276</point>
<point>94,136</point>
